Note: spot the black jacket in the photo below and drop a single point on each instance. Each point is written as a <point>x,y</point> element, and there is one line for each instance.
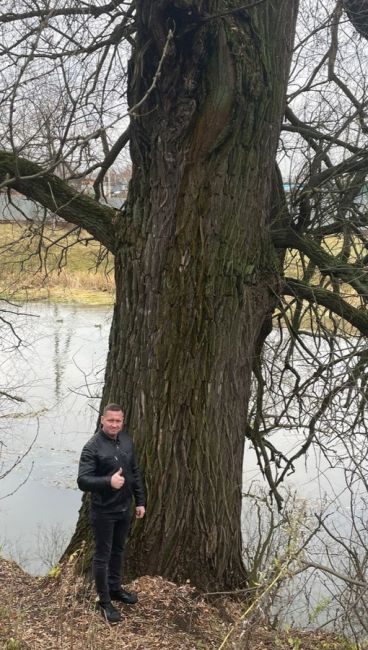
<point>101,457</point>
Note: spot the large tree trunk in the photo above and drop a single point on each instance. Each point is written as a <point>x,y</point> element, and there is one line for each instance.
<point>195,272</point>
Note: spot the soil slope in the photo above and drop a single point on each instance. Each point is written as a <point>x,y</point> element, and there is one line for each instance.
<point>57,613</point>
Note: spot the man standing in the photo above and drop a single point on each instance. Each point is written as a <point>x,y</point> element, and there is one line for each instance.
<point>109,470</point>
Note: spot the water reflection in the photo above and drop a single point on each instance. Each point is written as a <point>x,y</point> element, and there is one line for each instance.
<point>61,348</point>
<point>58,372</point>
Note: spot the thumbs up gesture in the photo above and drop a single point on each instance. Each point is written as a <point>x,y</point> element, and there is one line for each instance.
<point>117,479</point>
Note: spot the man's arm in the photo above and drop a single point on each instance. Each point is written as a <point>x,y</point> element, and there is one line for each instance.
<point>138,487</point>
<point>87,480</point>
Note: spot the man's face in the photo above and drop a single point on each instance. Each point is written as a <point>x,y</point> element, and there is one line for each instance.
<point>112,422</point>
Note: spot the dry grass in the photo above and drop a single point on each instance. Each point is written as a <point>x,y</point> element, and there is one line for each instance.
<point>61,266</point>
<point>42,263</point>
<point>85,287</point>
<point>57,613</point>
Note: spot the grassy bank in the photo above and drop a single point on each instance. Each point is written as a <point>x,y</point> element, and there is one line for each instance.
<point>66,265</point>
<point>54,264</point>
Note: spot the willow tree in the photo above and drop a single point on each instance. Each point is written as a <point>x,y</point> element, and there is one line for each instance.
<point>198,269</point>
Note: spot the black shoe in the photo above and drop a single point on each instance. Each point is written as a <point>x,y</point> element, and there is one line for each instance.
<point>109,612</point>
<point>127,597</point>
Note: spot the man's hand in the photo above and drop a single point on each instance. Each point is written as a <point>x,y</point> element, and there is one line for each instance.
<point>117,480</point>
<point>140,512</point>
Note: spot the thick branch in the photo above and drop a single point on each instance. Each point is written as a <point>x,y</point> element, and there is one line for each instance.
<point>332,301</point>
<point>54,194</point>
<point>354,275</point>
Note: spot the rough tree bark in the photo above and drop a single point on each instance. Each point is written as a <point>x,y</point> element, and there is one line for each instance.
<point>196,271</point>
<point>357,11</point>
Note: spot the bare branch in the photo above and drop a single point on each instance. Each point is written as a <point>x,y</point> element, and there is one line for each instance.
<point>50,191</point>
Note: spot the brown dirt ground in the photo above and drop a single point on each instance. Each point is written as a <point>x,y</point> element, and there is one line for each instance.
<point>57,613</point>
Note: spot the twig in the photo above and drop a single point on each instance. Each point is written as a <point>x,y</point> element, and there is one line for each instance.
<point>169,38</point>
<point>255,602</point>
<point>337,574</point>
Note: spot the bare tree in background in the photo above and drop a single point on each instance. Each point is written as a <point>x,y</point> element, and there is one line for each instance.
<point>212,241</point>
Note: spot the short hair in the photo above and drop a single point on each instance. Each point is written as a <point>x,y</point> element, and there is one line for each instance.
<point>112,407</point>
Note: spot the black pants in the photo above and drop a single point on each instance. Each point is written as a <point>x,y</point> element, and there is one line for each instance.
<point>110,536</point>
